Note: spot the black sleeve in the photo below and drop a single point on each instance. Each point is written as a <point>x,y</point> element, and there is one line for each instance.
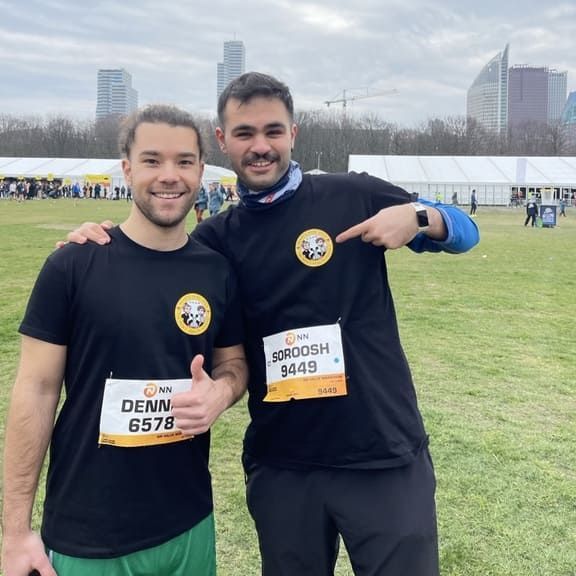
<point>232,329</point>
<point>47,313</point>
<point>382,194</point>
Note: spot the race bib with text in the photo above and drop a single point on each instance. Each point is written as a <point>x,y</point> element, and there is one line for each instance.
<point>138,412</point>
<point>305,363</point>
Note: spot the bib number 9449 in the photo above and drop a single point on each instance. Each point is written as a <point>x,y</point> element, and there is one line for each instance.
<point>296,368</point>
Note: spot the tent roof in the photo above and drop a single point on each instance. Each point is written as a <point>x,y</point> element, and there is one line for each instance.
<point>512,170</point>
<point>58,166</point>
<point>79,167</point>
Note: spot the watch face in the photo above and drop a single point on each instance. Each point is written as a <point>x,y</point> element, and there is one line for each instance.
<point>422,218</point>
<point>421,215</point>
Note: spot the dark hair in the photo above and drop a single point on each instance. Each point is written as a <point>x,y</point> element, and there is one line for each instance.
<point>155,114</point>
<point>251,85</point>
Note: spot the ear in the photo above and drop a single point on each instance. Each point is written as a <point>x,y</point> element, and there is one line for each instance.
<point>221,139</point>
<point>293,132</point>
<point>127,169</point>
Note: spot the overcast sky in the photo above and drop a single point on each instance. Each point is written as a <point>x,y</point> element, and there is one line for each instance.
<point>430,51</point>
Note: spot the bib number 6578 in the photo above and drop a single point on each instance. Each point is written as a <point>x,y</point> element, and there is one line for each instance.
<point>151,424</point>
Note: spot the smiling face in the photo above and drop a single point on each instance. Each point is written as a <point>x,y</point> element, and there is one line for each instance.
<point>258,137</point>
<point>164,169</point>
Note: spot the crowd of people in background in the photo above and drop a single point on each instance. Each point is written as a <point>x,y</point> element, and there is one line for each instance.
<point>20,189</point>
<point>31,189</point>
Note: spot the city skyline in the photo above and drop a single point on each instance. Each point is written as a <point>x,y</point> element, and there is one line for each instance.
<point>503,95</point>
<point>50,51</point>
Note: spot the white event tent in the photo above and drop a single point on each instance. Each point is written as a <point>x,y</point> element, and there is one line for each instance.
<point>81,169</point>
<point>495,178</point>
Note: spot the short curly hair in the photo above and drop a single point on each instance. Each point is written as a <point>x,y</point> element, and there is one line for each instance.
<point>155,114</point>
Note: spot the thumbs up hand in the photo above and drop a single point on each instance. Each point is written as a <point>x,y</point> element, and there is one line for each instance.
<point>197,409</point>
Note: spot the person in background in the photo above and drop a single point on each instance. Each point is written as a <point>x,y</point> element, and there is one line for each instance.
<point>201,204</point>
<point>473,203</point>
<point>215,198</point>
<point>531,211</point>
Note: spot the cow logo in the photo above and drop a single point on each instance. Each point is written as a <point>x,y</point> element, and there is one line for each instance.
<point>193,314</point>
<point>314,247</point>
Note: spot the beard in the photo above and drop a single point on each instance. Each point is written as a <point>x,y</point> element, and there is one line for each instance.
<point>168,216</point>
<point>258,182</point>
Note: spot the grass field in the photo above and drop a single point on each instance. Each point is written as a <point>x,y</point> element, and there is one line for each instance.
<point>491,337</point>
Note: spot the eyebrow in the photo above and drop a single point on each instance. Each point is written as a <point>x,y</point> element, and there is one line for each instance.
<point>267,127</point>
<point>155,153</point>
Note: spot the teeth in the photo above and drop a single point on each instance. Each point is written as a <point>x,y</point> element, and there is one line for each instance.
<point>166,195</point>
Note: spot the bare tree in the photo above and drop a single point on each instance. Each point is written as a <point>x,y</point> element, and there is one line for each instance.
<point>325,139</point>
<point>106,137</point>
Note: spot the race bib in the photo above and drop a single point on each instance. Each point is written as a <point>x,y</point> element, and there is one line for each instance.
<point>305,363</point>
<point>138,412</point>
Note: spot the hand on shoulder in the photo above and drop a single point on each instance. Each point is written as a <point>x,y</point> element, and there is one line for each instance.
<point>88,231</point>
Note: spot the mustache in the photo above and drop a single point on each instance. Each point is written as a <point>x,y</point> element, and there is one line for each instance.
<point>253,157</point>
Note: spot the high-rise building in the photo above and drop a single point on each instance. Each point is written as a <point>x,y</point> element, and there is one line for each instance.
<point>220,79</point>
<point>528,95</point>
<point>487,99</point>
<point>557,90</point>
<point>536,94</point>
<point>116,97</point>
<point>232,65</point>
<point>568,119</point>
<point>569,112</point>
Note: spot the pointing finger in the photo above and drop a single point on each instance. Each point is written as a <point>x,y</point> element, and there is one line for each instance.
<point>352,232</point>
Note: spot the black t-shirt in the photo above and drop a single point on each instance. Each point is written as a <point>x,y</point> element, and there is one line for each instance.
<point>115,308</point>
<point>377,424</point>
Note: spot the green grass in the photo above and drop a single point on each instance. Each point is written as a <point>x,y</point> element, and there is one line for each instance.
<point>491,337</point>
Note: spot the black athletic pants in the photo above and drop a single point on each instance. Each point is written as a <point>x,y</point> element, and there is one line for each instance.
<point>386,518</point>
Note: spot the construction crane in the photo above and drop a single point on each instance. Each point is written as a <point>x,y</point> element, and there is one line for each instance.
<point>345,99</point>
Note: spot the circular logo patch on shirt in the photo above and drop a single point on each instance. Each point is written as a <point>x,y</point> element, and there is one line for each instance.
<point>193,314</point>
<point>314,247</point>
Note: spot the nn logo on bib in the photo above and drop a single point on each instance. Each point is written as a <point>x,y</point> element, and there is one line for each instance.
<point>292,338</point>
<point>151,389</point>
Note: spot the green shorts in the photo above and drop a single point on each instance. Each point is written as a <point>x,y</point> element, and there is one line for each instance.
<point>193,553</point>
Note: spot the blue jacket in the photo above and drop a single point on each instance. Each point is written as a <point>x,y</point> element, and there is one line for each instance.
<point>202,199</point>
<point>463,233</point>
<point>215,200</point>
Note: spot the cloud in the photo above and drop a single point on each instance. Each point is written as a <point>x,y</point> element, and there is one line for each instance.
<point>50,50</point>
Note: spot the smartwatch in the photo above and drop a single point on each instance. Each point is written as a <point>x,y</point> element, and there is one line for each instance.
<point>421,215</point>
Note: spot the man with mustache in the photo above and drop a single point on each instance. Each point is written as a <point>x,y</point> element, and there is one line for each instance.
<point>128,490</point>
<point>336,446</point>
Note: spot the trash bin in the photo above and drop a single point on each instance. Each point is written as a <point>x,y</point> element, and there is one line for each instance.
<point>548,215</point>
